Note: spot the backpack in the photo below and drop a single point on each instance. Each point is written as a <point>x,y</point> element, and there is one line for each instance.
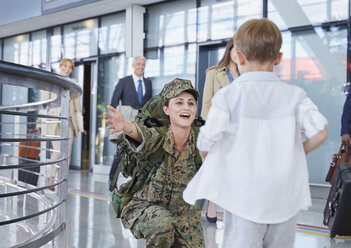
<point>140,172</point>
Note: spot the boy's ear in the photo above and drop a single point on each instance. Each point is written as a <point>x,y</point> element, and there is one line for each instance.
<point>278,59</point>
<point>240,58</point>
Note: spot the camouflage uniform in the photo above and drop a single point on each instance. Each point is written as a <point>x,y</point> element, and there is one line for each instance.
<point>157,212</point>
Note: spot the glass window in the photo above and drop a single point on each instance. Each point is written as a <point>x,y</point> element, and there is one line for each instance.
<point>112,33</point>
<point>16,49</point>
<point>55,67</point>
<point>316,61</point>
<point>171,23</point>
<point>80,39</point>
<point>220,19</point>
<point>39,49</point>
<point>306,12</point>
<point>110,70</point>
<point>172,62</point>
<point>56,44</point>
<point>1,50</point>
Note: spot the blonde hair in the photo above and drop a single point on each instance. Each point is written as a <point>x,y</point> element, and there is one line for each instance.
<point>259,40</point>
<point>63,61</point>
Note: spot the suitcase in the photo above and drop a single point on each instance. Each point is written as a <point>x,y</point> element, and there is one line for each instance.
<point>337,212</point>
<point>28,176</point>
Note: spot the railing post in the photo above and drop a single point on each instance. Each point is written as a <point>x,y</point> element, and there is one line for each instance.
<point>63,171</point>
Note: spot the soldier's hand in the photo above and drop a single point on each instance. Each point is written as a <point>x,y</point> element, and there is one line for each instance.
<point>116,120</point>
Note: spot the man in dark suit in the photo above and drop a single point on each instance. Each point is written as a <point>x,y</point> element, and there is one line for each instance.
<point>346,120</point>
<point>133,90</point>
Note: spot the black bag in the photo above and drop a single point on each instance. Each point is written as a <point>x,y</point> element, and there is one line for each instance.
<point>337,212</point>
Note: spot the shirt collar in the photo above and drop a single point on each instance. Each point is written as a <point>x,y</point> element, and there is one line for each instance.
<point>258,75</point>
<point>170,147</point>
<point>136,78</point>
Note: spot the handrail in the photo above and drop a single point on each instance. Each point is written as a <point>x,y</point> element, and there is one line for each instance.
<point>14,115</point>
<point>44,80</point>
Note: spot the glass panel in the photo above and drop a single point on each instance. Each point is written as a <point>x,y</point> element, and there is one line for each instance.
<point>1,50</point>
<point>56,44</point>
<point>305,12</point>
<point>218,20</point>
<point>175,62</point>
<point>55,67</point>
<point>39,49</point>
<point>316,61</point>
<point>16,49</point>
<point>107,78</point>
<point>171,23</point>
<point>112,33</point>
<point>80,39</point>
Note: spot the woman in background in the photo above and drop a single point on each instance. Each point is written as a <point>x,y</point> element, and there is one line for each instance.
<point>75,120</point>
<point>217,77</point>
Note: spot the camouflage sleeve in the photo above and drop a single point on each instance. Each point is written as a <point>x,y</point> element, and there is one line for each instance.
<point>151,141</point>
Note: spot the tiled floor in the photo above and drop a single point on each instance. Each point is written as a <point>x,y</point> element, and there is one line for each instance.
<point>92,222</point>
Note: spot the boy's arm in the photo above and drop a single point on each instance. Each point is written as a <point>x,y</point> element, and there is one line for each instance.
<point>315,141</point>
<point>203,155</point>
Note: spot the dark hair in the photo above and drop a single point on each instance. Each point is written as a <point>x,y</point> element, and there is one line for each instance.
<point>166,100</point>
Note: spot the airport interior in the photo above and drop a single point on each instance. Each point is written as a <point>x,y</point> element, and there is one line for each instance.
<point>178,39</point>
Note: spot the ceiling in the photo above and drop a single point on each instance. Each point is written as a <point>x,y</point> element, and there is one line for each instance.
<point>70,15</point>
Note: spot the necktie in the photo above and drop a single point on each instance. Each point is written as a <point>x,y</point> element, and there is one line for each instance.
<point>140,91</point>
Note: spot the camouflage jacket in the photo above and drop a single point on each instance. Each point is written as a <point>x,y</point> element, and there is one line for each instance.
<point>169,181</point>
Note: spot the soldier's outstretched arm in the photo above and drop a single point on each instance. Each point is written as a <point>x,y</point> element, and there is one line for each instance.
<point>117,123</point>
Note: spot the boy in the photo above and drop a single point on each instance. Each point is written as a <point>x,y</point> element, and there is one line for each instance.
<point>256,164</point>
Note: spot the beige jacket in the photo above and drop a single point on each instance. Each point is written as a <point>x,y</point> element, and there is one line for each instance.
<point>74,108</point>
<point>215,80</point>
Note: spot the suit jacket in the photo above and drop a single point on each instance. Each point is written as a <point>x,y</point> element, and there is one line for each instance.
<point>346,116</point>
<point>126,92</point>
<point>74,108</point>
<point>215,80</point>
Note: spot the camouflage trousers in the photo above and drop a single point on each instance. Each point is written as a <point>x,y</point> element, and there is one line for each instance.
<point>161,229</point>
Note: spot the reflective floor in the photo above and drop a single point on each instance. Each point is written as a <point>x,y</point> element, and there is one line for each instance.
<point>92,222</point>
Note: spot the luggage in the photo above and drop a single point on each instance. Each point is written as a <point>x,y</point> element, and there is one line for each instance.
<point>29,150</point>
<point>28,176</point>
<point>337,212</point>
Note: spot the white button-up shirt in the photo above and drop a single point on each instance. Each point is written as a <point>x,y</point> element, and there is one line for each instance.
<point>256,165</point>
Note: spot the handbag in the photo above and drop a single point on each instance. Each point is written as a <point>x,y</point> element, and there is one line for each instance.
<point>342,157</point>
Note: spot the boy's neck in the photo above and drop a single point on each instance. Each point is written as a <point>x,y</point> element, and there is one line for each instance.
<point>251,66</point>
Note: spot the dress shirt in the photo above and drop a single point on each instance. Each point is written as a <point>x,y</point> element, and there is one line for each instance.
<point>136,83</point>
<point>256,165</point>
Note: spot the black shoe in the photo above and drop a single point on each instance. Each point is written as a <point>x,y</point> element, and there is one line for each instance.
<point>211,219</point>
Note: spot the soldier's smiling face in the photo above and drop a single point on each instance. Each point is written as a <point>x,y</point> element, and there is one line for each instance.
<point>181,109</point>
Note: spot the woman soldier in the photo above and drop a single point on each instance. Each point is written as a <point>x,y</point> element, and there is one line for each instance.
<point>157,212</point>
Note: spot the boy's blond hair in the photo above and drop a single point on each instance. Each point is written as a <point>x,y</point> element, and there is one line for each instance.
<point>259,40</point>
